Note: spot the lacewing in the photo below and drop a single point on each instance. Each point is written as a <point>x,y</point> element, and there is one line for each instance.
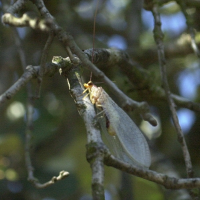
<point>124,137</point>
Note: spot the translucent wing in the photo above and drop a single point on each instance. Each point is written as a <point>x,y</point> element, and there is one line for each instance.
<point>128,144</point>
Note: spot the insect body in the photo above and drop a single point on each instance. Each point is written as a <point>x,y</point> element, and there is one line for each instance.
<point>126,140</point>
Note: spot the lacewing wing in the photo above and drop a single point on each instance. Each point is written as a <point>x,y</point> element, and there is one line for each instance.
<point>124,137</point>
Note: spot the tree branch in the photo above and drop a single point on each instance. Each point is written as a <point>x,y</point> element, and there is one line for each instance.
<point>125,64</point>
<point>28,74</point>
<point>31,72</point>
<point>54,179</point>
<point>142,107</point>
<point>95,145</point>
<point>138,76</point>
<point>162,179</point>
<point>43,61</point>
<point>42,9</point>
<point>25,20</point>
<point>158,37</point>
<point>17,6</point>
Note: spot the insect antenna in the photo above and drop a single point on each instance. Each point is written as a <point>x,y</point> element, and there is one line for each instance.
<point>94,29</point>
<point>94,32</point>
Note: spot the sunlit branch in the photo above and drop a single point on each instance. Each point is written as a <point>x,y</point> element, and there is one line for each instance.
<point>25,20</point>
<point>54,179</point>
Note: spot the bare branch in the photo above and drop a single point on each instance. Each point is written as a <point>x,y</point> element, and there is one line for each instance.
<point>45,53</point>
<point>158,37</point>
<point>141,78</point>
<point>28,74</point>
<point>54,179</point>
<point>17,6</point>
<point>95,145</point>
<point>163,164</point>
<point>71,46</point>
<point>185,103</point>
<point>20,49</point>
<point>25,20</point>
<point>43,61</point>
<point>112,57</point>
<point>162,179</point>
<point>96,151</point>
<point>31,72</point>
<point>132,69</point>
<point>142,107</point>
<point>42,9</point>
<point>29,166</point>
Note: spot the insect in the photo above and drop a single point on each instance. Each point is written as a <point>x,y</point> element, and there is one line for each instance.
<point>125,138</point>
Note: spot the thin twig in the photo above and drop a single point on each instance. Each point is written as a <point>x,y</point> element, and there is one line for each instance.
<point>20,49</point>
<point>29,166</point>
<point>20,83</point>
<point>45,53</point>
<point>162,62</point>
<point>158,36</point>
<point>30,73</point>
<point>168,182</point>
<point>43,61</point>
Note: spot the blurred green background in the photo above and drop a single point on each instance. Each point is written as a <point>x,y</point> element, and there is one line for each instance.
<point>59,135</point>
